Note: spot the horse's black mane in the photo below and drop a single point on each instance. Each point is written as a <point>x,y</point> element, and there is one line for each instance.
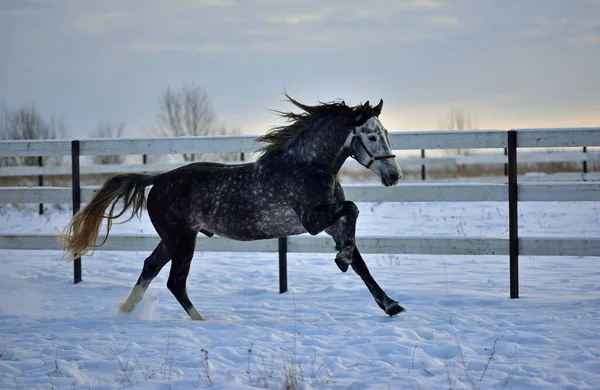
<point>282,136</point>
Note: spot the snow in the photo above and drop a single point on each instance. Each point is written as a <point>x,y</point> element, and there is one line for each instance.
<point>460,331</point>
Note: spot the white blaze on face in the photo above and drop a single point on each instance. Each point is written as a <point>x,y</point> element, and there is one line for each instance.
<point>374,137</point>
<point>376,127</point>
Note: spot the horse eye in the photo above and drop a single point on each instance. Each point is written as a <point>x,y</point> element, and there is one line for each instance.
<point>372,138</point>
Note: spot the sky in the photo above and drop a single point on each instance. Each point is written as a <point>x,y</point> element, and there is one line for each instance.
<point>508,64</point>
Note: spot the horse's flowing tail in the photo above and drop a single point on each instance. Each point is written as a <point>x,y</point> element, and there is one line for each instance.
<point>81,233</point>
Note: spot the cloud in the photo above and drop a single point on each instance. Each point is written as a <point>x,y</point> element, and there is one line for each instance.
<point>299,17</point>
<point>350,23</point>
<point>199,48</point>
<point>257,46</point>
<point>408,36</point>
<point>98,22</point>
<point>533,32</point>
<point>262,32</point>
<point>23,11</point>
<point>442,21</point>
<point>427,3</point>
<point>215,3</point>
<point>587,39</point>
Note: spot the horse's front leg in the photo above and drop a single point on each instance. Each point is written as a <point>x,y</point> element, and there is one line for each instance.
<point>340,217</point>
<point>387,304</point>
<point>338,232</point>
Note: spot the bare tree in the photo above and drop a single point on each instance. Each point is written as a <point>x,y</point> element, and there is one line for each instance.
<point>5,134</point>
<point>27,123</point>
<point>459,119</point>
<point>109,130</point>
<point>188,112</point>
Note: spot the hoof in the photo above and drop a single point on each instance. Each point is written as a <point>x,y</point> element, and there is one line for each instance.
<point>126,307</point>
<point>194,315</point>
<point>394,308</point>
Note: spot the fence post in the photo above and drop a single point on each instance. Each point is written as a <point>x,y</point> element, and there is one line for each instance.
<point>76,188</point>
<point>282,244</point>
<point>505,164</point>
<point>585,167</point>
<point>513,214</point>
<point>423,165</point>
<point>144,159</point>
<point>41,181</point>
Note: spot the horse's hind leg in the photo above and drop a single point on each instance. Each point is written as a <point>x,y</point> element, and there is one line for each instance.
<point>180,268</point>
<point>152,266</point>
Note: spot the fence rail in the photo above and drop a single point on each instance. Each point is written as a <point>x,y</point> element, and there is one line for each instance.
<point>427,192</point>
<point>407,163</point>
<point>410,140</point>
<point>511,192</point>
<point>416,245</point>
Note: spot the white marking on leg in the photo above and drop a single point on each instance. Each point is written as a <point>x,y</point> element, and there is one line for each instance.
<point>194,315</point>
<point>135,296</point>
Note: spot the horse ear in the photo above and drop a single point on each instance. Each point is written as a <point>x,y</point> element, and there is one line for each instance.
<point>377,108</point>
<point>363,113</point>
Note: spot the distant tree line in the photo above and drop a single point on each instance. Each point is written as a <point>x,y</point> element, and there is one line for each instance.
<point>186,111</point>
<point>28,123</point>
<point>459,119</point>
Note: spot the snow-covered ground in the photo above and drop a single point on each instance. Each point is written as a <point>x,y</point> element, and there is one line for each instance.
<point>460,330</point>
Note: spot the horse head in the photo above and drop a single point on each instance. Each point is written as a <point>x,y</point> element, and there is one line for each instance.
<point>370,144</point>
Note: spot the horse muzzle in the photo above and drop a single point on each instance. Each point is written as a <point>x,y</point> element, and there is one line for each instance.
<point>391,178</point>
